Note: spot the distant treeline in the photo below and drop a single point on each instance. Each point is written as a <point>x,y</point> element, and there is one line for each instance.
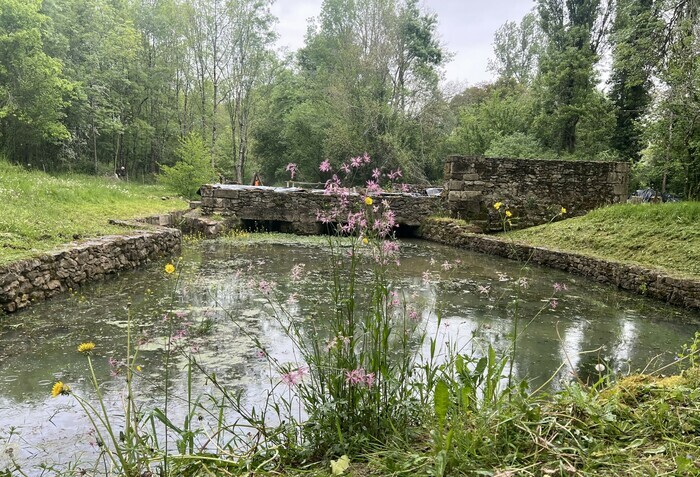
<point>100,85</point>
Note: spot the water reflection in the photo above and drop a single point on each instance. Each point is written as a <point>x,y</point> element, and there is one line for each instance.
<point>216,305</point>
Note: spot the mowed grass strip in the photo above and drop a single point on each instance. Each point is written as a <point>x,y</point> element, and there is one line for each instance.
<point>662,236</point>
<point>39,212</point>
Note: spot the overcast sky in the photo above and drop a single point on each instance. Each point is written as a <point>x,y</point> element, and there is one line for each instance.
<point>465,27</point>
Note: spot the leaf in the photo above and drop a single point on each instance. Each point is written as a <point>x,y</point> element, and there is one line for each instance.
<point>338,467</point>
<point>656,450</point>
<point>442,400</point>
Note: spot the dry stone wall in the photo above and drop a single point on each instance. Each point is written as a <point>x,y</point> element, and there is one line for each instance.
<point>534,190</point>
<point>30,280</point>
<point>297,208</point>
<point>652,283</point>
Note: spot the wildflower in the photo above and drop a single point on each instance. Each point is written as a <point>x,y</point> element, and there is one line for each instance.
<point>356,376</point>
<point>139,368</point>
<point>502,277</point>
<point>484,290</point>
<point>600,367</point>
<point>497,205</point>
<point>563,210</point>
<point>376,173</point>
<point>296,271</point>
<point>559,287</point>
<point>446,266</point>
<point>426,278</point>
<point>293,298</point>
<point>86,347</point>
<point>356,162</point>
<point>509,213</point>
<point>365,240</point>
<point>325,166</point>
<point>413,314</point>
<point>170,268</point>
<point>294,377</point>
<point>265,286</point>
<point>368,201</point>
<point>60,388</point>
<point>553,303</point>
<point>522,282</point>
<point>369,380</point>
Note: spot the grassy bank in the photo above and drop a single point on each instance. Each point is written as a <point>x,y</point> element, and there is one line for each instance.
<point>663,236</point>
<point>41,212</point>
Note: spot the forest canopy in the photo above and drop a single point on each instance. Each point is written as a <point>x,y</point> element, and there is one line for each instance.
<point>116,86</point>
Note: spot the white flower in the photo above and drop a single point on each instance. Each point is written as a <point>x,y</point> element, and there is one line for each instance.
<point>600,367</point>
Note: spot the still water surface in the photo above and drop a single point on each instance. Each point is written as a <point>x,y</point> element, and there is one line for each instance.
<point>588,324</point>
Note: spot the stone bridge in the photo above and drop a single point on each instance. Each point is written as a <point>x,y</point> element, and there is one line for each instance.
<point>291,209</point>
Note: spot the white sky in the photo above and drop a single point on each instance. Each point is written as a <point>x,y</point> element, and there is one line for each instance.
<point>465,27</point>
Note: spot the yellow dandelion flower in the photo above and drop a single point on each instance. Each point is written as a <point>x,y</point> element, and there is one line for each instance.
<point>169,268</point>
<point>365,240</point>
<point>368,201</point>
<point>139,368</point>
<point>86,347</point>
<point>59,388</point>
<point>563,210</point>
<point>497,205</point>
<point>509,213</point>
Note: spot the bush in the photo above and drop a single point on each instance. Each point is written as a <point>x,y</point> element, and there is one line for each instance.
<point>191,171</point>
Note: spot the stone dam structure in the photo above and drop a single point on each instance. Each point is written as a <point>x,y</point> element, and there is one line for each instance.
<point>295,210</point>
<point>533,190</point>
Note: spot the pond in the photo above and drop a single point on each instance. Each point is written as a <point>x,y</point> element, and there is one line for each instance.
<point>569,326</point>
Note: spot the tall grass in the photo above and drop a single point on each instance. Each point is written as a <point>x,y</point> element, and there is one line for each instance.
<point>41,212</point>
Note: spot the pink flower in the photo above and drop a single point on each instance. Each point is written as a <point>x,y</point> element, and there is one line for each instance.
<point>405,189</point>
<point>376,173</point>
<point>395,174</point>
<point>484,290</point>
<point>366,159</point>
<point>426,277</point>
<point>523,282</point>
<point>293,298</point>
<point>292,169</point>
<point>553,303</point>
<point>559,287</point>
<point>265,286</point>
<point>345,168</point>
<point>356,162</point>
<point>325,166</point>
<point>294,377</point>
<point>296,271</point>
<point>369,380</point>
<point>356,376</point>
<point>373,186</point>
<point>413,314</point>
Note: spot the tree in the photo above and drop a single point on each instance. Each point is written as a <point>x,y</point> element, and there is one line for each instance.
<point>33,90</point>
<point>635,37</point>
<point>574,30</point>
<point>517,49</point>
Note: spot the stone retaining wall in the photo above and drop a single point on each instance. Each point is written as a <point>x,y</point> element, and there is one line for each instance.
<point>534,190</point>
<point>652,283</point>
<point>34,279</point>
<point>297,208</point>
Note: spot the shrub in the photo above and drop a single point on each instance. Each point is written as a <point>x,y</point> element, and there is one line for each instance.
<point>191,171</point>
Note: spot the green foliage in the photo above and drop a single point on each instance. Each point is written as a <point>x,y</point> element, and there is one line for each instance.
<point>518,145</point>
<point>33,91</point>
<point>504,110</point>
<point>193,169</point>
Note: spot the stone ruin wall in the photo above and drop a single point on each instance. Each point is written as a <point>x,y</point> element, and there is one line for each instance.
<point>534,190</point>
<point>35,279</point>
<point>297,209</point>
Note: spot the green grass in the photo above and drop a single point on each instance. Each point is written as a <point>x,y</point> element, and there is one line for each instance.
<point>661,236</point>
<point>41,212</point>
